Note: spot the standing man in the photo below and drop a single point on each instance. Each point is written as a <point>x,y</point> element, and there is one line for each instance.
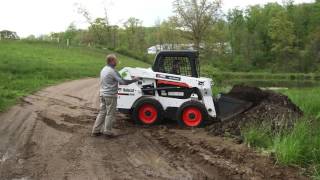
<point>109,79</point>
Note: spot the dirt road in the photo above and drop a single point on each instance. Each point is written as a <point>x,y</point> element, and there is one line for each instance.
<point>46,136</point>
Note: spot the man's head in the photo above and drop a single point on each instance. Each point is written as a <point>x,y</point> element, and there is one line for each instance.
<point>111,60</point>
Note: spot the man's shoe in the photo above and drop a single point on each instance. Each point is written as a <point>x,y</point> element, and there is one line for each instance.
<point>96,134</point>
<point>110,135</point>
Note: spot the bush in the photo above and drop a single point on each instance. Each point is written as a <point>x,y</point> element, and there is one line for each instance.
<point>240,64</point>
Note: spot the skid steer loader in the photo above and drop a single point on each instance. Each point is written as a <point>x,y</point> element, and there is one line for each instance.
<point>172,89</point>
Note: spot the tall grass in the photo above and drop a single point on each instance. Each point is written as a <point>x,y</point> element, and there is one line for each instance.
<point>257,136</point>
<point>308,99</point>
<point>28,66</point>
<point>292,148</point>
<point>301,145</point>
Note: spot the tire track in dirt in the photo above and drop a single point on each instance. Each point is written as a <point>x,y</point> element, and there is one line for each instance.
<point>47,137</point>
<point>60,127</point>
<point>235,162</point>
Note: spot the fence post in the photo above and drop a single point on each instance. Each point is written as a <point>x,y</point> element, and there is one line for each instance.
<point>68,42</point>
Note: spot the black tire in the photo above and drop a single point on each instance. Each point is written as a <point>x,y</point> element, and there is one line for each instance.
<point>194,120</point>
<point>146,116</point>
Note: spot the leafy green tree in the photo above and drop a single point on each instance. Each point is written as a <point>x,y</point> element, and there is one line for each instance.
<point>238,31</point>
<point>169,34</point>
<point>217,48</point>
<point>134,33</point>
<point>196,16</point>
<point>281,33</point>
<point>269,37</point>
<point>71,32</point>
<point>258,42</point>
<point>311,60</point>
<point>98,28</point>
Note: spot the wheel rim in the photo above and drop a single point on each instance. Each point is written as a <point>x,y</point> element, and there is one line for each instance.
<point>192,116</point>
<point>148,114</point>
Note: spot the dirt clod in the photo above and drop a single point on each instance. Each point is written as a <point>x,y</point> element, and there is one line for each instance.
<point>269,109</point>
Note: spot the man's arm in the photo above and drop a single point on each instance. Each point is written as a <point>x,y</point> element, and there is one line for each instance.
<point>121,81</point>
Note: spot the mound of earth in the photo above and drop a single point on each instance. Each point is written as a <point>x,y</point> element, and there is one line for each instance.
<point>269,109</point>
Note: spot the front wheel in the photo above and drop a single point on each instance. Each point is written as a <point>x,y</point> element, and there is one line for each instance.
<point>147,111</point>
<point>192,114</point>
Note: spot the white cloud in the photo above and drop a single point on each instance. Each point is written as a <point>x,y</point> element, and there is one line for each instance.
<point>44,16</point>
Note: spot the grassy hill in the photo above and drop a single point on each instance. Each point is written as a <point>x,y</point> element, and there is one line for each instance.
<point>28,66</point>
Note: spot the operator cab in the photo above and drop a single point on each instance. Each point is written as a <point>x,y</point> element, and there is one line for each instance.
<point>183,63</point>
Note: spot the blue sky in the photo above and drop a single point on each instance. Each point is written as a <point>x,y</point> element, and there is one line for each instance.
<point>44,16</point>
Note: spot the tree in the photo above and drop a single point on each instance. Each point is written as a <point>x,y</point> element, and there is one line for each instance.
<point>134,33</point>
<point>99,30</point>
<point>31,37</point>
<point>217,47</point>
<point>238,31</point>
<point>282,35</point>
<point>71,32</point>
<point>168,33</point>
<point>196,16</point>
<point>114,35</point>
<point>56,36</point>
<point>311,60</point>
<point>84,37</point>
<point>132,25</point>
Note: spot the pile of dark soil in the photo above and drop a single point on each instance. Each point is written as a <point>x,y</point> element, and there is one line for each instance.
<point>269,109</point>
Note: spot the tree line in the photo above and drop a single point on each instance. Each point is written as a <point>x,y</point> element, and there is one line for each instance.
<point>272,37</point>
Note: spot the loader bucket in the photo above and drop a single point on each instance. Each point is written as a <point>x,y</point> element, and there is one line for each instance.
<point>229,107</point>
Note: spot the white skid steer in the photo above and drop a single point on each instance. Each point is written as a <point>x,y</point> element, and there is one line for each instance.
<point>172,89</point>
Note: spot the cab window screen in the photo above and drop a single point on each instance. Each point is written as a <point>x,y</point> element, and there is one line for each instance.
<point>175,65</point>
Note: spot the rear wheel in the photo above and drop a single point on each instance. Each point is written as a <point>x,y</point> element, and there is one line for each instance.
<point>192,114</point>
<point>147,111</point>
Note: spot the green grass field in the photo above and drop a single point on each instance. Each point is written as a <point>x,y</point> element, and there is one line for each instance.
<point>28,66</point>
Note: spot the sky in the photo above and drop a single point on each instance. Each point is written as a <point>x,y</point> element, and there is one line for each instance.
<point>38,17</point>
